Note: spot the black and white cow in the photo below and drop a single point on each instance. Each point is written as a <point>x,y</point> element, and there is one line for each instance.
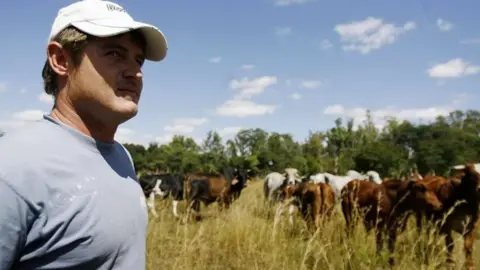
<point>162,185</point>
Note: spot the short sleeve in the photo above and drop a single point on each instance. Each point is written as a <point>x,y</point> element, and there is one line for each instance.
<point>15,216</point>
<point>129,156</point>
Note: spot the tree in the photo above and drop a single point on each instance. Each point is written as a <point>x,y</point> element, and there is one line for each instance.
<point>393,150</point>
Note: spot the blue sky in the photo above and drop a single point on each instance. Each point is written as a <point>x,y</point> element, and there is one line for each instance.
<point>282,65</point>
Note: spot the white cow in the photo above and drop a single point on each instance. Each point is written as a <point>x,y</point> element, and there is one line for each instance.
<point>370,175</point>
<point>461,167</point>
<point>323,178</point>
<point>274,181</point>
<point>337,182</point>
<point>356,175</point>
<point>374,177</point>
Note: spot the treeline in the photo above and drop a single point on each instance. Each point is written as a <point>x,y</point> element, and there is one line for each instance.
<point>393,151</point>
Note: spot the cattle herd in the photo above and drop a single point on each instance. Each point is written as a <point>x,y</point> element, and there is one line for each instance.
<point>450,204</point>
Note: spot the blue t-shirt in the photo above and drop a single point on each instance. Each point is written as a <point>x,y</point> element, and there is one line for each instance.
<point>68,201</point>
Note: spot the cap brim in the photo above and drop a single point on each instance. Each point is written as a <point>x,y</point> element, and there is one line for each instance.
<point>156,43</point>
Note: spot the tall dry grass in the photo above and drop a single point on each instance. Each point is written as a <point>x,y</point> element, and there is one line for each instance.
<point>244,237</point>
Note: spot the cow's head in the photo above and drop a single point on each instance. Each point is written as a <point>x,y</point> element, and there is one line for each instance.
<point>470,176</point>
<point>239,182</point>
<point>292,176</point>
<point>373,176</point>
<point>160,188</point>
<point>459,171</point>
<point>239,177</point>
<point>420,197</point>
<point>290,191</point>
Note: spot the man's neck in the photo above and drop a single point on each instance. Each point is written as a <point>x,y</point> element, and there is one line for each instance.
<point>86,124</point>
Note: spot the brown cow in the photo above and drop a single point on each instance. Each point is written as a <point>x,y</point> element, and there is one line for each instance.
<point>386,204</point>
<point>442,188</point>
<point>361,194</point>
<point>316,201</point>
<point>460,209</point>
<point>213,187</point>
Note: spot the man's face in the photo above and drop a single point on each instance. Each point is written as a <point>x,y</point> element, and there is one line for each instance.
<point>108,82</point>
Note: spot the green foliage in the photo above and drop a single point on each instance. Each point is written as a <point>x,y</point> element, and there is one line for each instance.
<point>392,151</point>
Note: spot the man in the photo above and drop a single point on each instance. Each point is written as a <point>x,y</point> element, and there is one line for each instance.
<point>69,197</point>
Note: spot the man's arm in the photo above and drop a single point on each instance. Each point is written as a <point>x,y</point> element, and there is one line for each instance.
<point>15,216</point>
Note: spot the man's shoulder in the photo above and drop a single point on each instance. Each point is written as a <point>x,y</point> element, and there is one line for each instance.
<point>125,150</point>
<point>28,146</point>
<point>32,134</point>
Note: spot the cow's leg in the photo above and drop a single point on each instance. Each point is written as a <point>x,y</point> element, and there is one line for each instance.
<point>291,210</point>
<point>379,236</point>
<point>196,208</point>
<point>278,212</point>
<point>151,203</point>
<point>392,237</point>
<point>227,200</point>
<point>174,208</point>
<point>468,241</point>
<point>418,219</point>
<point>189,208</point>
<point>449,244</point>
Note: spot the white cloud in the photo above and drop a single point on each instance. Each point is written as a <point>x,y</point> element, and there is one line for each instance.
<point>370,34</point>
<point>46,98</point>
<point>215,60</point>
<point>247,67</point>
<point>284,3</point>
<point>244,108</point>
<point>283,31</point>
<point>164,139</point>
<point>190,121</point>
<point>28,115</point>
<point>228,131</point>
<point>3,87</point>
<point>444,25</point>
<point>296,96</point>
<point>325,44</point>
<point>380,116</point>
<point>19,119</point>
<point>471,41</point>
<point>167,138</point>
<point>128,135</point>
<point>454,68</point>
<point>23,91</point>
<point>179,129</point>
<point>241,105</point>
<point>180,126</point>
<point>124,135</point>
<point>310,84</point>
<point>247,88</point>
<point>184,125</point>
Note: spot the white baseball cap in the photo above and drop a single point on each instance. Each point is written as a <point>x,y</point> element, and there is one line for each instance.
<point>105,19</point>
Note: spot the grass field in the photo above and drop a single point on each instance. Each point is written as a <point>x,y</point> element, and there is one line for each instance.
<point>244,237</point>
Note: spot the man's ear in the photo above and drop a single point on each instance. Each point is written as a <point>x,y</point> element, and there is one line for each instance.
<point>58,58</point>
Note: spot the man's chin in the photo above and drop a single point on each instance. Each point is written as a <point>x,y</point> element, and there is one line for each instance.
<point>126,110</point>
